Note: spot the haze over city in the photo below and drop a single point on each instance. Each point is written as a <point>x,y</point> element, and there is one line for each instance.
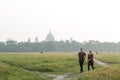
<point>81,20</point>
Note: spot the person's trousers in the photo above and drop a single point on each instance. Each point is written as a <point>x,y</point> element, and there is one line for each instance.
<point>81,65</point>
<point>91,66</point>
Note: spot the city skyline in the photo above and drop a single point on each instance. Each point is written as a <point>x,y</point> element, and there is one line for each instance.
<point>48,38</point>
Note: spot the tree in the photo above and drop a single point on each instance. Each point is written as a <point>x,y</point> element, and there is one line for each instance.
<point>10,42</point>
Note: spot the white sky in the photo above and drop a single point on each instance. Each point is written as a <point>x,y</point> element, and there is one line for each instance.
<point>82,20</point>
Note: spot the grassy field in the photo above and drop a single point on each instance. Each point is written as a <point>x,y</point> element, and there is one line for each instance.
<point>53,63</point>
<point>109,57</point>
<point>22,66</point>
<point>47,62</point>
<point>8,72</point>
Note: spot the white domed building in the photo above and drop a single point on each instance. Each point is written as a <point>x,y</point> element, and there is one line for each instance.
<point>50,37</point>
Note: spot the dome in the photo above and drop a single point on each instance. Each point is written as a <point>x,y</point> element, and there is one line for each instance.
<point>50,37</point>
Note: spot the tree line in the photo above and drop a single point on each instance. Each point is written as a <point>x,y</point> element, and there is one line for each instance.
<point>58,46</point>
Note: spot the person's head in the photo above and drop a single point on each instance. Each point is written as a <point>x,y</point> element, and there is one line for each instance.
<point>81,49</point>
<point>90,51</point>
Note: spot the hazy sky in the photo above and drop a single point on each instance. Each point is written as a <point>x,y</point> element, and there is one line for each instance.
<point>82,20</point>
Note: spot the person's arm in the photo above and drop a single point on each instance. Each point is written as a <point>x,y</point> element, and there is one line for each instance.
<point>91,58</point>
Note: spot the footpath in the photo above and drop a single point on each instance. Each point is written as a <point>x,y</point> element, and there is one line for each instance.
<point>74,76</point>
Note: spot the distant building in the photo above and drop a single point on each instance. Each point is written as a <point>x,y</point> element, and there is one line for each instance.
<point>50,36</point>
<point>36,40</point>
<point>29,40</point>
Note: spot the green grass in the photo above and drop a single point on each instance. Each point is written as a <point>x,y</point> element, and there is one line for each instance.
<point>47,62</point>
<point>109,57</point>
<point>104,73</point>
<point>8,72</point>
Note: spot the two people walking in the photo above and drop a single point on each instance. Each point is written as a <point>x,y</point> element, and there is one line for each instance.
<point>82,56</point>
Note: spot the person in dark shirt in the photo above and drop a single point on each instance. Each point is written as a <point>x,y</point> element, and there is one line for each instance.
<point>81,57</point>
<point>90,60</point>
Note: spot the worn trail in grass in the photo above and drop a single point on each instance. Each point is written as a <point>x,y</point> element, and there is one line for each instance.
<point>75,76</point>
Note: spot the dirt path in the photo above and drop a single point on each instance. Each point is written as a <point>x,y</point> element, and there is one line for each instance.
<point>60,77</point>
<point>54,77</point>
<point>100,63</point>
<point>74,76</point>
